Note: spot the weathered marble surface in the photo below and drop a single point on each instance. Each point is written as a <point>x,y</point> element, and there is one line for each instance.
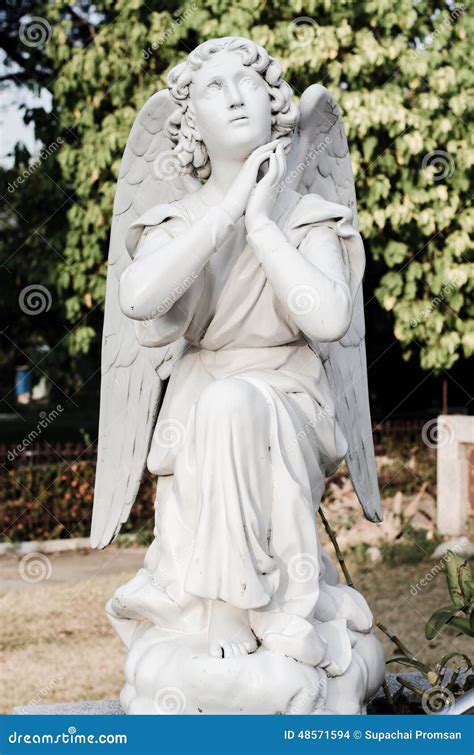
<point>113,707</point>
<point>235,270</point>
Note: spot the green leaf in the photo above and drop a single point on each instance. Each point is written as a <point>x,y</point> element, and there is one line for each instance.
<point>465,581</point>
<point>438,620</point>
<point>463,625</point>
<point>453,565</point>
<point>447,658</point>
<point>412,662</point>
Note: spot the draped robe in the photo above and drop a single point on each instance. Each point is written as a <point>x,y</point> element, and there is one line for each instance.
<point>246,434</point>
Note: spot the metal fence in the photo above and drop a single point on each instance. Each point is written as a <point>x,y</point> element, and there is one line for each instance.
<point>387,435</point>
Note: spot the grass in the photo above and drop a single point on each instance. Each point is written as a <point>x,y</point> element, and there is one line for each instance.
<point>59,646</point>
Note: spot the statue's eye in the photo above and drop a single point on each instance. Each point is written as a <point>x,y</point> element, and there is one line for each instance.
<point>215,85</point>
<point>249,82</point>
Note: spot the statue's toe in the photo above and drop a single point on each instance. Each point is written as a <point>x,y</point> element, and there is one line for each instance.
<point>215,650</point>
<point>298,640</point>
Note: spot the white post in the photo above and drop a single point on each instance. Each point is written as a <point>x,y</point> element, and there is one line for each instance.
<point>453,433</point>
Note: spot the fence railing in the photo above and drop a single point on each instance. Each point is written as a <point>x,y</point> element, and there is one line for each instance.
<point>386,435</point>
<point>403,431</point>
<point>41,454</point>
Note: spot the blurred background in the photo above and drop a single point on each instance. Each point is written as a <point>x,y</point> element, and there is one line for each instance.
<point>72,79</point>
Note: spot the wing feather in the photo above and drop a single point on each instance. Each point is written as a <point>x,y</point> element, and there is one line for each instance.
<point>131,389</point>
<point>321,133</point>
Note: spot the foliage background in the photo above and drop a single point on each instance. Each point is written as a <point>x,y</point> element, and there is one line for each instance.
<point>400,74</point>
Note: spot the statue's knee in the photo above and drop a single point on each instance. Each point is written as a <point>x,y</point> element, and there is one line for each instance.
<point>231,397</point>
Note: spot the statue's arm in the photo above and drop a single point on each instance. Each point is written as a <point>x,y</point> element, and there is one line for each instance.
<point>165,267</point>
<point>314,275</point>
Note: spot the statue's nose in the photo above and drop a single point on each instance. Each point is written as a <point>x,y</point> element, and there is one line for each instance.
<point>234,97</point>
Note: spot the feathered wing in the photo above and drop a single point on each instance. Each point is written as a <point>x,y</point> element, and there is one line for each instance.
<point>320,158</point>
<point>131,389</point>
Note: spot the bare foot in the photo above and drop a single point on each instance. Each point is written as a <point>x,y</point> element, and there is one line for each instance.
<point>343,602</point>
<point>140,598</point>
<point>290,635</point>
<point>229,631</point>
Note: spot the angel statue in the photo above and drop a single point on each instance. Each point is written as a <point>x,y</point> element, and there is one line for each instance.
<point>234,367</point>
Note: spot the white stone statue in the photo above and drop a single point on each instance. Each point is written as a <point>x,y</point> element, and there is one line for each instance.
<point>234,367</point>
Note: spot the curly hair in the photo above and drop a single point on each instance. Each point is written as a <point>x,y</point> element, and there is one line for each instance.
<point>189,149</point>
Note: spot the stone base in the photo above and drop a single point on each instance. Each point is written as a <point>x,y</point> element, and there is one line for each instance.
<point>165,674</point>
<point>82,708</point>
<point>113,707</point>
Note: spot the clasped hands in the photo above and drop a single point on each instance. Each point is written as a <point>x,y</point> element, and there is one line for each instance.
<point>254,198</point>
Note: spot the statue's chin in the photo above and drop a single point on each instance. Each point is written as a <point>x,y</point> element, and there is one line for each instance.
<point>240,144</point>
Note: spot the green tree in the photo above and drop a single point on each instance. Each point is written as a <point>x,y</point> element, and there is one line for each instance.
<point>35,202</point>
<point>401,77</point>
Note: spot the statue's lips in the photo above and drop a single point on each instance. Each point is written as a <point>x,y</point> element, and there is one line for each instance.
<point>240,119</point>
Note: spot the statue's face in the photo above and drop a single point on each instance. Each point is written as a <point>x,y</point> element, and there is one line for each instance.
<point>232,106</point>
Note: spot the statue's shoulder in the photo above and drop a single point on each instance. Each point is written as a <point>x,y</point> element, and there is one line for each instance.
<point>160,212</point>
<point>165,211</point>
<point>298,206</point>
<point>307,209</point>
